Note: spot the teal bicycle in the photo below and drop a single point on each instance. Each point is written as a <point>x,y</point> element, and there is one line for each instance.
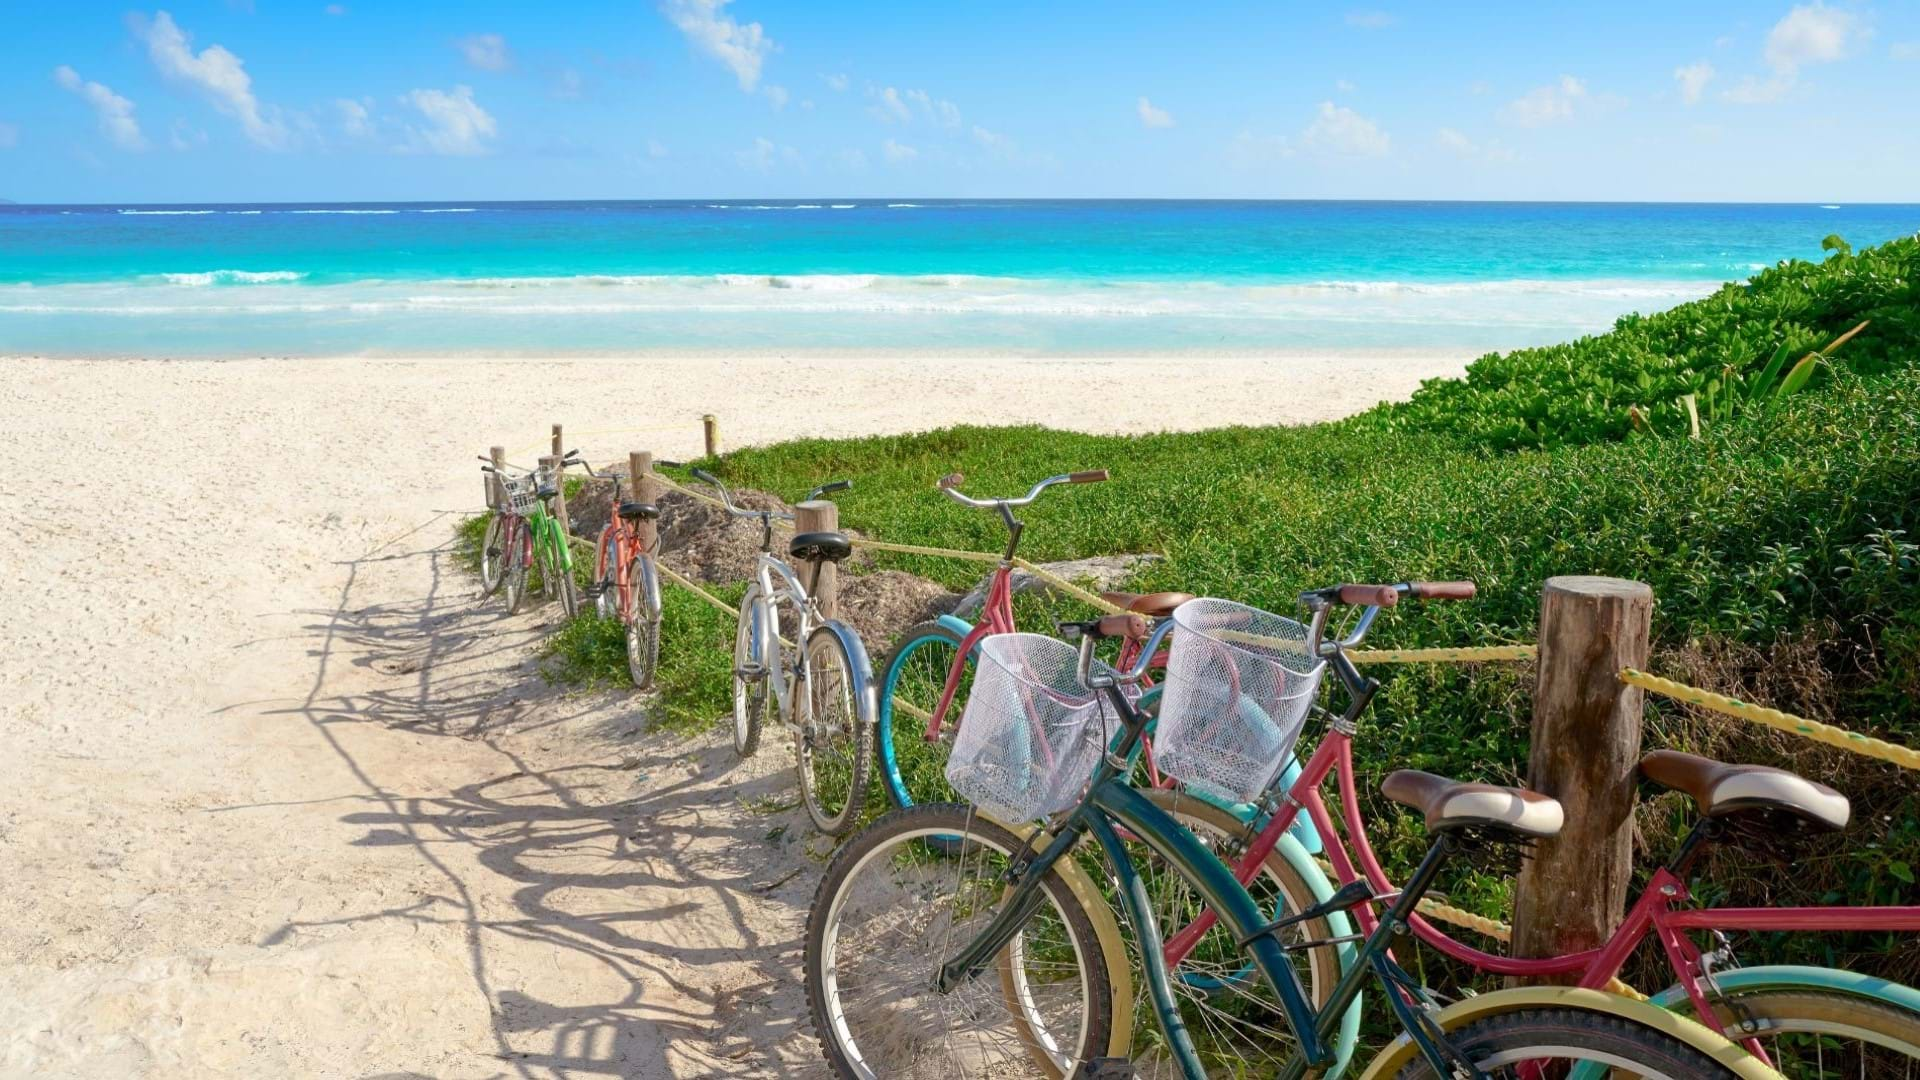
<point>524,533</point>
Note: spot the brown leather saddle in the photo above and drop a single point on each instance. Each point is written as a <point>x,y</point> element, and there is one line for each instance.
<point>1453,804</point>
<point>1156,605</point>
<point>1722,790</point>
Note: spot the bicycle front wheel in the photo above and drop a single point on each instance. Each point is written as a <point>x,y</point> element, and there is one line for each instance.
<point>895,903</point>
<point>831,747</point>
<point>1545,1041</point>
<point>493,548</point>
<point>912,680</point>
<point>750,674</point>
<point>1818,1034</point>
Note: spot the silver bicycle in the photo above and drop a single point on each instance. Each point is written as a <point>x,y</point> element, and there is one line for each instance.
<point>813,669</point>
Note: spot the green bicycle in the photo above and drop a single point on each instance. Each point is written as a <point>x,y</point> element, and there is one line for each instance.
<point>523,533</point>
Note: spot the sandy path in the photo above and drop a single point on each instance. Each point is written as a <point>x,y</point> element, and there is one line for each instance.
<point>279,799</point>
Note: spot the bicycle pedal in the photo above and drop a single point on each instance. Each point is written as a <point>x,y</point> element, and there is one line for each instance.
<point>1105,1068</point>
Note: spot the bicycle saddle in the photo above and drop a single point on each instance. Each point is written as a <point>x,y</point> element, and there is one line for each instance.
<point>640,510</point>
<point>830,546</point>
<point>1153,605</point>
<point>1721,789</point>
<point>1451,804</point>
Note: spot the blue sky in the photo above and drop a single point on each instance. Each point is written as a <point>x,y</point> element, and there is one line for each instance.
<point>232,100</point>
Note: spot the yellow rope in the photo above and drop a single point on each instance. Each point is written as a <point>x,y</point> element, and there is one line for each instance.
<point>1903,756</point>
<point>1070,588</point>
<point>1444,656</point>
<point>696,590</point>
<point>915,549</point>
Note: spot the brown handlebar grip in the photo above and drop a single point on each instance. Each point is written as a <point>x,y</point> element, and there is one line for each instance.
<point>952,480</point>
<point>1375,595</point>
<point>1442,590</point>
<point>1122,626</point>
<point>1091,476</point>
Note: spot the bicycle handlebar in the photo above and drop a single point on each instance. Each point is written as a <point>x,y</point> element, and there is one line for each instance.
<point>949,485</point>
<point>1116,626</point>
<point>1373,598</point>
<point>726,499</point>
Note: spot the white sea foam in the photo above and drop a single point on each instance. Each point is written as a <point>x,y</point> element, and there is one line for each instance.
<point>169,213</point>
<point>336,211</point>
<point>845,206</point>
<point>448,210</point>
<point>233,277</point>
<point>903,206</point>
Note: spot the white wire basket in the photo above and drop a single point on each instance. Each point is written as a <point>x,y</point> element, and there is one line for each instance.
<point>1031,735</point>
<point>523,493</point>
<point>1238,686</point>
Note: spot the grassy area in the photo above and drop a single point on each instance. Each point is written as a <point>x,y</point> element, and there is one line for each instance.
<point>1780,544</point>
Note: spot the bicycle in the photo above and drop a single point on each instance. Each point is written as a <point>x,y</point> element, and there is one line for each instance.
<point>1803,1009</point>
<point>529,534</point>
<point>933,658</point>
<point>820,678</point>
<point>626,585</point>
<point>903,932</point>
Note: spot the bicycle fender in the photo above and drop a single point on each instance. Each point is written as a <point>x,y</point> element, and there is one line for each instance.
<point>1801,977</point>
<point>955,625</point>
<point>1401,1051</point>
<point>1105,927</point>
<point>865,695</point>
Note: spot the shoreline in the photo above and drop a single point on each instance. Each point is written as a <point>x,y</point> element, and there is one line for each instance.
<point>1409,354</point>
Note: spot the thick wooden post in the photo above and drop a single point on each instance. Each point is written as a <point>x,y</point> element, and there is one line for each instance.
<point>559,443</point>
<point>1572,892</point>
<point>645,489</point>
<point>552,464</point>
<point>710,426</point>
<point>820,515</point>
<point>499,489</point>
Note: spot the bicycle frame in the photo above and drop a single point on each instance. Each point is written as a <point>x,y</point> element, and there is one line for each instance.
<point>619,545</point>
<point>1655,913</point>
<point>767,626</point>
<point>1110,808</point>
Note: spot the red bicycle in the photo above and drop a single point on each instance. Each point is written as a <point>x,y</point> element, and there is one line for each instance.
<point>626,585</point>
<point>1806,1021</point>
<point>933,662</point>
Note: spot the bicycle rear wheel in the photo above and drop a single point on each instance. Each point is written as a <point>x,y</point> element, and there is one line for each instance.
<point>893,906</point>
<point>516,561</point>
<point>1550,1042</point>
<point>912,679</point>
<point>493,545</point>
<point>831,746</point>
<point>642,623</point>
<point>750,674</point>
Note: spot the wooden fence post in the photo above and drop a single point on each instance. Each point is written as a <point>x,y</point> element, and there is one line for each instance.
<point>559,443</point>
<point>710,426</point>
<point>552,464</point>
<point>1572,892</point>
<point>645,489</point>
<point>499,489</point>
<point>821,515</point>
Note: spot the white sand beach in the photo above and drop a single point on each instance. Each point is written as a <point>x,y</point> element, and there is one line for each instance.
<point>279,797</point>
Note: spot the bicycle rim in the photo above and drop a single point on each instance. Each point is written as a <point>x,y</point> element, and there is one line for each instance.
<point>1822,1035</point>
<point>912,769</point>
<point>892,906</point>
<point>493,545</point>
<point>749,676</point>
<point>519,558</point>
<point>1554,1042</point>
<point>831,750</point>
<point>642,626</point>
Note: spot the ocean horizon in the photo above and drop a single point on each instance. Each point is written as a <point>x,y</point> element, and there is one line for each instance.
<point>860,275</point>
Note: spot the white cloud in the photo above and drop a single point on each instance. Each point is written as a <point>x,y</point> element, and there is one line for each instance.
<point>9,136</point>
<point>778,96</point>
<point>1546,104</point>
<point>1812,34</point>
<point>891,106</point>
<point>1152,116</point>
<point>184,136</point>
<point>336,9</point>
<point>488,52</point>
<point>656,149</point>
<point>115,113</point>
<point>356,120</point>
<point>456,124</point>
<point>949,112</point>
<point>1693,80</point>
<point>995,143</point>
<point>1753,91</point>
<point>1340,130</point>
<point>764,153</point>
<point>1904,50</point>
<point>838,83</point>
<point>898,153</point>
<point>218,74</point>
<point>1370,20</point>
<point>1459,144</point>
<point>741,48</point>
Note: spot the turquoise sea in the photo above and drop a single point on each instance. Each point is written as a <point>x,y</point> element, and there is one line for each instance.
<point>872,275</point>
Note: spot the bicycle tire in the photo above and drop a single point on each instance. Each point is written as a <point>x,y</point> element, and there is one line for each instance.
<point>1889,1036</point>
<point>642,626</point>
<point>750,677</point>
<point>911,769</point>
<point>564,588</point>
<point>831,680</point>
<point>1529,1036</point>
<point>492,549</point>
<point>607,600</point>
<point>519,559</point>
<point>1062,927</point>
